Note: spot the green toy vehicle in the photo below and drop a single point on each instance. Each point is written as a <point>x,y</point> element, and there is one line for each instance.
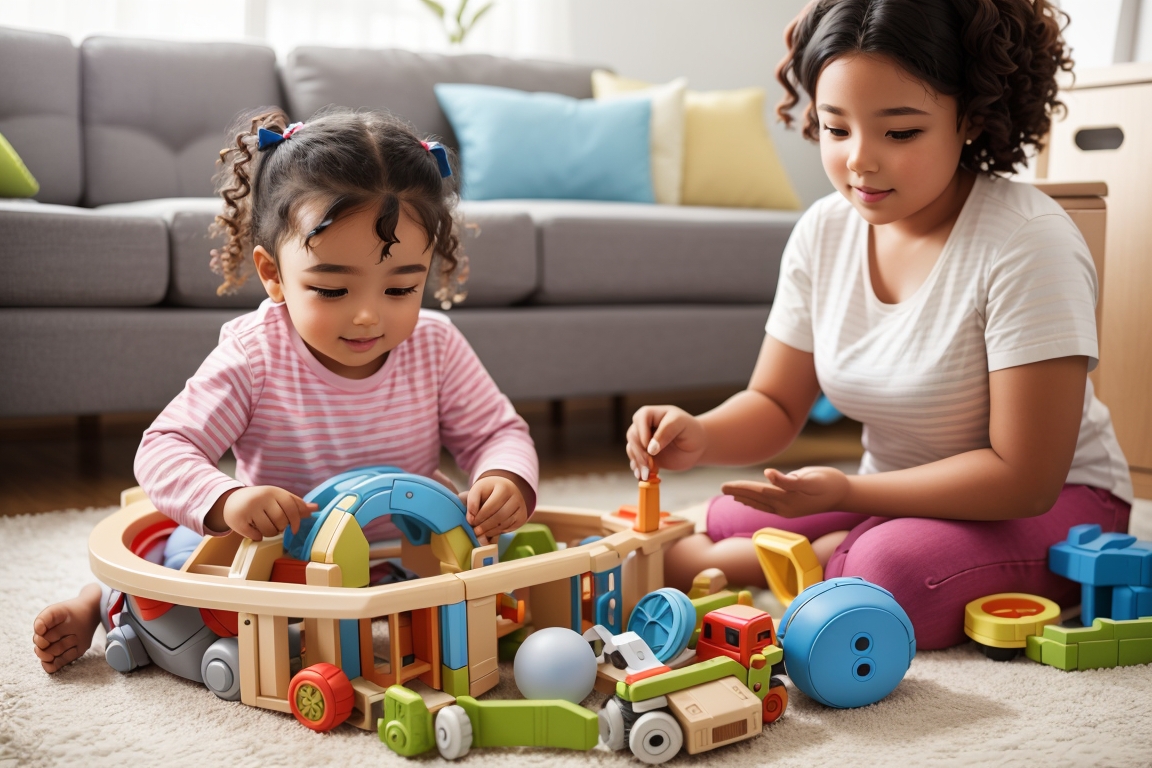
<point>407,725</point>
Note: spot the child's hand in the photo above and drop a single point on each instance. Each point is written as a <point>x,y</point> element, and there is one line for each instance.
<point>803,492</point>
<point>495,504</point>
<point>258,511</point>
<point>667,433</point>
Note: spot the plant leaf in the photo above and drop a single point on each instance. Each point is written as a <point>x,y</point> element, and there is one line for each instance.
<point>480,13</point>
<point>460,14</point>
<point>435,7</point>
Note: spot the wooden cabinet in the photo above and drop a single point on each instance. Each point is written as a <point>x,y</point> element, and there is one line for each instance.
<point>1107,136</point>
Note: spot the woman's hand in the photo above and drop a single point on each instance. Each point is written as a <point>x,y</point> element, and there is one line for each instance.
<point>258,511</point>
<point>806,491</point>
<point>667,433</point>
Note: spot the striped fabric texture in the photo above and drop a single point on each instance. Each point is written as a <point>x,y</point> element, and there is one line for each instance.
<point>1014,284</point>
<point>292,423</point>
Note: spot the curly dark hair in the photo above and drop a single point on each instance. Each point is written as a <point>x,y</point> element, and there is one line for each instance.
<point>342,160</point>
<point>998,58</point>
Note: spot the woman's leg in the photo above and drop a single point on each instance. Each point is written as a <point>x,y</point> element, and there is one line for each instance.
<point>935,567</point>
<point>728,543</point>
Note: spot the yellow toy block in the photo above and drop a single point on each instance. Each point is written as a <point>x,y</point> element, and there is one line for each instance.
<point>324,536</point>
<point>1006,619</point>
<point>788,562</point>
<point>453,548</point>
<point>707,582</point>
<point>341,542</point>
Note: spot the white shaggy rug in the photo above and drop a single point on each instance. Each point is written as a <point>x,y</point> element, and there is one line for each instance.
<point>954,707</point>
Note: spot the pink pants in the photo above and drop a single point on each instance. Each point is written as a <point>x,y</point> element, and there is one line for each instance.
<point>935,567</point>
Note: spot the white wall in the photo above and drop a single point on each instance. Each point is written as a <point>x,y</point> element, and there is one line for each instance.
<point>716,44</point>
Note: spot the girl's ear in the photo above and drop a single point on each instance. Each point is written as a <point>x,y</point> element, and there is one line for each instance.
<point>269,273</point>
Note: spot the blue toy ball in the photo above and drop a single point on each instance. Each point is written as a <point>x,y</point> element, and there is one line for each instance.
<point>555,663</point>
<point>847,642</point>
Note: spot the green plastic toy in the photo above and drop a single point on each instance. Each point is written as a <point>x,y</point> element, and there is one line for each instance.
<point>407,724</point>
<point>1105,644</point>
<point>517,723</point>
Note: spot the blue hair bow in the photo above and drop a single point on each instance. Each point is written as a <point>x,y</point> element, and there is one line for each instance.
<point>440,152</point>
<point>266,138</point>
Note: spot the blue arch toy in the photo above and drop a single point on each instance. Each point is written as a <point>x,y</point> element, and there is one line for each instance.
<point>419,507</point>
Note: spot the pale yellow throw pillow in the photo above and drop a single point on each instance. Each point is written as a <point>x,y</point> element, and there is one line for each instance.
<point>729,158</point>
<point>667,131</point>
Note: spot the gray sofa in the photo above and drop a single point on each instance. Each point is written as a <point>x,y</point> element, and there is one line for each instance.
<point>107,303</point>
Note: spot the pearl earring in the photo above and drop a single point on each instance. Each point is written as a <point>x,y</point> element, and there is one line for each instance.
<point>968,141</point>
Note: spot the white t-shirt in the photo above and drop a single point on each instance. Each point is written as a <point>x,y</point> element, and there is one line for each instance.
<point>1014,284</point>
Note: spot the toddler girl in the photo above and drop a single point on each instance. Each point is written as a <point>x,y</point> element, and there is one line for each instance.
<point>343,217</point>
<point>948,309</point>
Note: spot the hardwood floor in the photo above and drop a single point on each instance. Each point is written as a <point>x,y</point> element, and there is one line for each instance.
<point>60,463</point>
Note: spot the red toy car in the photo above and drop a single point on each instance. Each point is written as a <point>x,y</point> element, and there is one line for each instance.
<point>737,631</point>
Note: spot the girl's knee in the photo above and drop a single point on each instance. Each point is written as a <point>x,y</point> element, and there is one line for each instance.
<point>937,616</point>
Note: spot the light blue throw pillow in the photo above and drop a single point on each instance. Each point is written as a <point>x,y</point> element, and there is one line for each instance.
<point>515,144</point>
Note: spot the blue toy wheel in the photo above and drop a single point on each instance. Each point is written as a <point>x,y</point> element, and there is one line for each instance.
<point>665,620</point>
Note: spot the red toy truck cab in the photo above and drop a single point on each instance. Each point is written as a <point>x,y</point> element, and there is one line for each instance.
<point>737,631</point>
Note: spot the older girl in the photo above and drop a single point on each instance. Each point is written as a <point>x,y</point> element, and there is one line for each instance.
<point>948,309</point>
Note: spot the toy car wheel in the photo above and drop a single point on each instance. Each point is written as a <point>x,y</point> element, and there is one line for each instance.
<point>776,700</point>
<point>320,696</point>
<point>453,732</point>
<point>612,725</point>
<point>220,668</point>
<point>656,738</point>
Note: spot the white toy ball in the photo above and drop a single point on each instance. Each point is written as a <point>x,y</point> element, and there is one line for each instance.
<point>555,663</point>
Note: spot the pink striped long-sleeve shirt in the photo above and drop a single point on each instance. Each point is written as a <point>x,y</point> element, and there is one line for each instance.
<point>292,423</point>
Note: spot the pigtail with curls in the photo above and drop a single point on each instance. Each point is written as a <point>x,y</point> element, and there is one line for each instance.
<point>239,165</point>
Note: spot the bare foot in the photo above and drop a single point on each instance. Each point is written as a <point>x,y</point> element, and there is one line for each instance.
<point>63,631</point>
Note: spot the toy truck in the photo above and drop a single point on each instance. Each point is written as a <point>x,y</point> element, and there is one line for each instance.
<point>656,710</point>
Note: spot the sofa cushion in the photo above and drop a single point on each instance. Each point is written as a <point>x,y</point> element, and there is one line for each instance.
<point>547,146</point>
<point>155,113</point>
<point>62,256</point>
<point>501,247</point>
<point>401,81</point>
<point>611,253</point>
<point>556,352</point>
<point>40,109</point>
<point>192,282</point>
<point>85,360</point>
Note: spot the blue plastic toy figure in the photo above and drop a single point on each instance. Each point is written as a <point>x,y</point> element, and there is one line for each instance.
<point>1114,569</point>
<point>847,642</point>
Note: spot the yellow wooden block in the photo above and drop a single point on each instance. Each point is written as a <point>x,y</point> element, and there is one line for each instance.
<point>453,548</point>
<point>349,549</point>
<point>324,535</point>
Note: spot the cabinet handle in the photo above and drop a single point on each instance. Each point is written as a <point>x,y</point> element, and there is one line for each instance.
<point>1094,139</point>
